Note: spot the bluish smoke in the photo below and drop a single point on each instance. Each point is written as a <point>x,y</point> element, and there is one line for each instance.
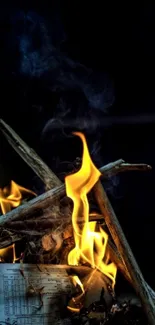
<point>39,58</point>
<point>81,93</point>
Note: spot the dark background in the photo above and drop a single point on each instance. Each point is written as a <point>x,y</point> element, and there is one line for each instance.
<point>79,64</point>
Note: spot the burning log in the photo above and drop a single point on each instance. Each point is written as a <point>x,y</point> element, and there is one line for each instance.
<point>36,208</point>
<point>44,201</point>
<point>37,205</point>
<point>124,249</point>
<point>35,218</point>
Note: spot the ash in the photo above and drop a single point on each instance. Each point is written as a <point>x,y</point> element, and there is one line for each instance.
<point>125,311</point>
<point>122,314</point>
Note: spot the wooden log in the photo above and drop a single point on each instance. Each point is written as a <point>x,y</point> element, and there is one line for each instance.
<point>37,205</point>
<point>116,258</point>
<point>123,167</point>
<point>125,251</point>
<point>45,173</point>
<point>30,157</point>
<point>9,238</point>
<point>48,177</point>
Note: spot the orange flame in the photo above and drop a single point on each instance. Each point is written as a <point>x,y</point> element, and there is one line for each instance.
<point>7,252</point>
<point>90,245</point>
<point>10,197</point>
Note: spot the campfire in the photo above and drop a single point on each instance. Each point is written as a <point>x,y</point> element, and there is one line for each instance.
<point>71,241</point>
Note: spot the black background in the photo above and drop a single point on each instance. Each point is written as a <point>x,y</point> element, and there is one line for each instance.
<point>116,38</point>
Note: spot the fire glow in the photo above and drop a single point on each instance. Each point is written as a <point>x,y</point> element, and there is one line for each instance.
<point>11,197</point>
<point>90,243</point>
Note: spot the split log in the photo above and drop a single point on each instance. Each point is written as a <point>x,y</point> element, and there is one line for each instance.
<point>125,251</point>
<point>30,157</point>
<point>46,174</point>
<point>34,208</point>
<point>37,206</point>
<point>116,258</point>
<point>124,167</point>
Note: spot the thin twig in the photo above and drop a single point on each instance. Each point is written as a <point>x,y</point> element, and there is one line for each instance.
<point>124,167</point>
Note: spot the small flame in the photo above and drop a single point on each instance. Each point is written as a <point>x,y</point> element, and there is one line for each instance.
<point>90,244</point>
<point>76,281</point>
<point>7,251</point>
<point>10,197</point>
<point>76,302</point>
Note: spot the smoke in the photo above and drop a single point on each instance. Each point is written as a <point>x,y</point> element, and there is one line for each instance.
<point>41,58</point>
<point>80,94</point>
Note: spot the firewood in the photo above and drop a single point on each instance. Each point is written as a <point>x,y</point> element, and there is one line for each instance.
<point>123,167</point>
<point>34,207</point>
<point>116,258</point>
<point>45,173</point>
<point>30,157</point>
<point>37,206</point>
<point>125,251</point>
<point>35,212</point>
<point>8,237</point>
<point>50,179</point>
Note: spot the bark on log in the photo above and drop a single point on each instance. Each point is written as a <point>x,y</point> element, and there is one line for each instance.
<point>44,172</point>
<point>37,206</point>
<point>116,258</point>
<point>125,252</point>
<point>30,157</point>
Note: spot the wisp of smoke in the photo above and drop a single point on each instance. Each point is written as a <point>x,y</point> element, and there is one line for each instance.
<point>40,59</point>
<point>82,94</point>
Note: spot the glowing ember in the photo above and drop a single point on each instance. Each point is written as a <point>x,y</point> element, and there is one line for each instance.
<point>90,243</point>
<point>10,197</point>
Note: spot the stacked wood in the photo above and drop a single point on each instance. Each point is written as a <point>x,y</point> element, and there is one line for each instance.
<point>49,217</point>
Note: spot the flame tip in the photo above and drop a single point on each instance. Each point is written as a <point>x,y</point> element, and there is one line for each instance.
<point>11,196</point>
<point>90,245</point>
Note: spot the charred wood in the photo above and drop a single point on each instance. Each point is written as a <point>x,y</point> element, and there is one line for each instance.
<point>125,251</point>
